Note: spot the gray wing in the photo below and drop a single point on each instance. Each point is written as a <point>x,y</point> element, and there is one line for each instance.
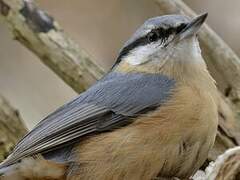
<point>107,105</point>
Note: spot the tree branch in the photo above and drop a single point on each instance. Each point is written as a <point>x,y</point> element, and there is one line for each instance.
<point>42,35</point>
<point>226,166</point>
<point>11,127</point>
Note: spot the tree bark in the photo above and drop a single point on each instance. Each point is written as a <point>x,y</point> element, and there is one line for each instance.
<point>226,166</point>
<point>11,127</point>
<point>42,35</point>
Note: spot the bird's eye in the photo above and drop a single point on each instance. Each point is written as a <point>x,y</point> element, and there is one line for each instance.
<point>152,36</point>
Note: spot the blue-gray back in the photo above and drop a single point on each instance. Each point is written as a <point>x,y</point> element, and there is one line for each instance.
<point>111,103</point>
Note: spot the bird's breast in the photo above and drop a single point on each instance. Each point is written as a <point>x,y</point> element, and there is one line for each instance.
<point>172,140</point>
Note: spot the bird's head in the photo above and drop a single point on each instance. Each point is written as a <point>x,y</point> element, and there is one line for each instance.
<point>163,39</point>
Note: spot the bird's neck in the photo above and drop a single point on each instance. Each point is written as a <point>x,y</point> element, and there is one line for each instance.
<point>186,73</point>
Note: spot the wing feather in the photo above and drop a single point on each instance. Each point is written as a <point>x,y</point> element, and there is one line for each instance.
<point>111,103</point>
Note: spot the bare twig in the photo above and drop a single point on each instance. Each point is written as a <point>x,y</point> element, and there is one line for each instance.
<point>11,127</point>
<point>41,34</point>
<point>227,166</point>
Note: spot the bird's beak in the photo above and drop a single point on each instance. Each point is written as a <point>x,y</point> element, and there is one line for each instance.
<point>193,26</point>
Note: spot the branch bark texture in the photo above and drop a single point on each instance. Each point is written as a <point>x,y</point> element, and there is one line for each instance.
<point>11,127</point>
<point>226,167</point>
<point>41,34</point>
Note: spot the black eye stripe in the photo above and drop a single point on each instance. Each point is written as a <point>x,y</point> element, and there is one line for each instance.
<point>162,33</point>
<point>180,28</point>
<point>138,42</point>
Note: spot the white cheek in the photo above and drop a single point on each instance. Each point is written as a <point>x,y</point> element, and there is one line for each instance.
<point>187,50</point>
<point>141,54</point>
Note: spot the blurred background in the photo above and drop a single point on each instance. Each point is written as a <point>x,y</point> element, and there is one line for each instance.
<point>100,27</point>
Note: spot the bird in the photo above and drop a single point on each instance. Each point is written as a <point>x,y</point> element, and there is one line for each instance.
<point>153,115</point>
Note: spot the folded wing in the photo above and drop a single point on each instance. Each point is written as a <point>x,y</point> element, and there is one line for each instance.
<point>111,103</point>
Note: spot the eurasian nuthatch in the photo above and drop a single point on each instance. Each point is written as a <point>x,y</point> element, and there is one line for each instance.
<point>154,114</point>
